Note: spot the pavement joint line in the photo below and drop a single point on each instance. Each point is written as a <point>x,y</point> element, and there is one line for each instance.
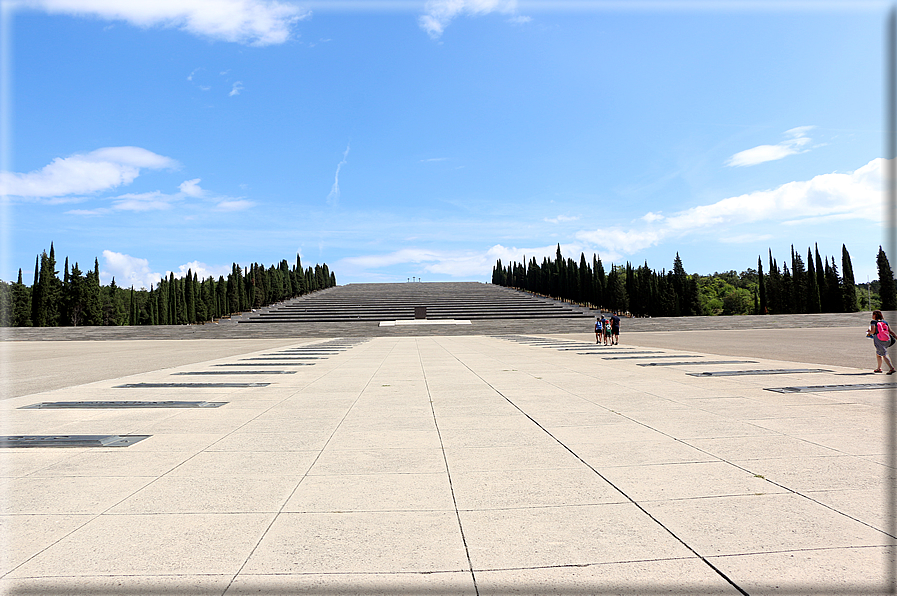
<point>614,486</point>
<point>305,474</point>
<point>448,471</point>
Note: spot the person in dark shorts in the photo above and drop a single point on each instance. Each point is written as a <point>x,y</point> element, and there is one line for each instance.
<point>615,329</point>
<point>881,335</point>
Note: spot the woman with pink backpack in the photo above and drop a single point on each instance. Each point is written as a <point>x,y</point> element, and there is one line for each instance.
<point>883,338</point>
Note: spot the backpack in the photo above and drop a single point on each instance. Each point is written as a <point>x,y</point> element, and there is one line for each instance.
<point>883,332</point>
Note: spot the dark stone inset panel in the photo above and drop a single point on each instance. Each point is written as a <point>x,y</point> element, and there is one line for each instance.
<point>70,440</point>
<point>702,363</point>
<point>775,371</point>
<point>660,356</point>
<point>112,405</point>
<point>237,372</point>
<point>182,385</point>
<point>615,351</point>
<point>815,388</point>
<point>284,358</point>
<point>245,364</point>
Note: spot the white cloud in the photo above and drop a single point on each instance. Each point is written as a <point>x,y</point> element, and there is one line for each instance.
<point>234,205</point>
<point>144,201</point>
<point>750,157</point>
<point>202,270</point>
<point>235,90</point>
<point>191,188</point>
<point>439,13</point>
<point>255,22</point>
<point>128,271</point>
<point>333,197</point>
<point>96,171</point>
<point>561,219</point>
<point>434,159</point>
<point>835,196</point>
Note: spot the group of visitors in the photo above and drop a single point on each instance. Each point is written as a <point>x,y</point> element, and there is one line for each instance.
<point>607,330</point>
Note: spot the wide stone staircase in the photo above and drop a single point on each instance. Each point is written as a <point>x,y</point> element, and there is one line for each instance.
<point>397,301</point>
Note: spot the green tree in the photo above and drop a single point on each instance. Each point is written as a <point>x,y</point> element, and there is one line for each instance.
<point>887,290</point>
<point>848,285</point>
<point>21,303</point>
<point>813,302</point>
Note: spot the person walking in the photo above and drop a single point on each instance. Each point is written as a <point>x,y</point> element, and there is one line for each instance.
<point>606,324</point>
<point>615,329</point>
<point>881,335</point>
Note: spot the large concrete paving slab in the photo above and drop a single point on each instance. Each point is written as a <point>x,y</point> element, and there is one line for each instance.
<point>453,465</point>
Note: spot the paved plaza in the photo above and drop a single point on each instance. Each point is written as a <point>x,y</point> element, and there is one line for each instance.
<point>466,464</point>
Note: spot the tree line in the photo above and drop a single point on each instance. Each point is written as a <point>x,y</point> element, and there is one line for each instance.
<point>79,299</point>
<point>812,286</point>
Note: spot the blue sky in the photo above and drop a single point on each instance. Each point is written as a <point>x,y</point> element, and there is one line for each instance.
<point>428,139</point>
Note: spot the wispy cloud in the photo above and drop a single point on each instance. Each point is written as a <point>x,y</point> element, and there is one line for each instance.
<point>795,139</point>
<point>561,219</point>
<point>92,172</point>
<point>254,22</point>
<point>160,201</point>
<point>333,197</point>
<point>234,205</point>
<point>439,13</point>
<point>145,201</point>
<point>835,196</point>
<point>235,90</point>
<point>433,159</point>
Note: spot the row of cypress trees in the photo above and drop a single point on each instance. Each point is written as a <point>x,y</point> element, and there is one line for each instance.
<point>79,299</point>
<point>641,291</point>
<point>814,288</point>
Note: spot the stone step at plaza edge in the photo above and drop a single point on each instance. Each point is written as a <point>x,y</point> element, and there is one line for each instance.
<point>414,300</point>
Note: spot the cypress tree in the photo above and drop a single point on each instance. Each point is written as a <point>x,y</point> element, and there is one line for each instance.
<point>93,300</point>
<point>887,290</point>
<point>798,283</point>
<point>21,303</point>
<point>848,285</point>
<point>182,300</point>
<point>762,308</point>
<point>64,298</point>
<point>77,297</point>
<point>172,300</point>
<point>6,305</point>
<point>821,281</point>
<point>35,294</point>
<point>774,287</point>
<point>813,302</point>
<point>162,302</point>
<point>190,297</point>
<point>585,281</point>
<point>151,307</point>
<point>53,291</point>
<point>601,281</point>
